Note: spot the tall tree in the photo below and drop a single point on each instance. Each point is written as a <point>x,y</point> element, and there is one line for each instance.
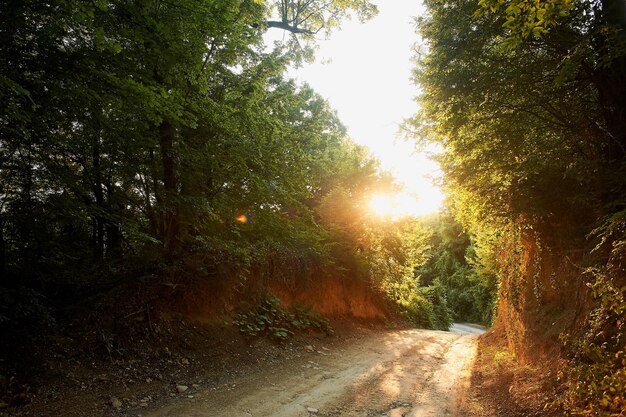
<point>527,99</point>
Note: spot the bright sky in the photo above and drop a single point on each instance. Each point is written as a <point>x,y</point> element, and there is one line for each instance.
<point>364,71</point>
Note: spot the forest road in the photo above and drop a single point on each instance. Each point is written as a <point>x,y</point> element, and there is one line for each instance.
<point>412,373</point>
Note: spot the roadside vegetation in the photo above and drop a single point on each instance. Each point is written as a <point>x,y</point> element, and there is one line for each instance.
<point>528,102</point>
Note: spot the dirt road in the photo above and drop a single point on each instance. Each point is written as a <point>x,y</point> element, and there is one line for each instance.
<point>416,373</point>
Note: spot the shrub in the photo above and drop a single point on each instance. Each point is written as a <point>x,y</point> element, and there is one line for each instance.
<point>436,295</point>
<point>21,307</point>
<point>418,310</point>
<point>597,369</point>
<point>271,319</point>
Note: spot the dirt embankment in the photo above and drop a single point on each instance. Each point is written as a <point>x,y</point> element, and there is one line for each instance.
<point>136,343</point>
<point>541,296</point>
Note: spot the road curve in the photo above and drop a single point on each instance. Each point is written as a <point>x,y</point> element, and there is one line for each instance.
<point>467,328</point>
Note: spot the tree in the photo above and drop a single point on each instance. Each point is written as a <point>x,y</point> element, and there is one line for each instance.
<point>527,99</point>
<point>469,291</point>
<point>308,17</point>
<point>133,135</point>
<point>523,131</point>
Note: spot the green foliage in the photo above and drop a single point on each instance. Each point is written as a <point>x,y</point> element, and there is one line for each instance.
<point>597,366</point>
<point>513,126</point>
<point>417,309</point>
<point>441,314</point>
<point>425,307</point>
<point>452,267</point>
<point>528,101</point>
<point>526,19</point>
<point>271,319</point>
<point>133,133</point>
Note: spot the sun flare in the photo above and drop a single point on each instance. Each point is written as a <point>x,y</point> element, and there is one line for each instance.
<point>403,204</point>
<point>381,205</point>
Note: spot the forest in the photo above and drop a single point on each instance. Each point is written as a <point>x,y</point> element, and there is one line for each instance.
<point>156,160</point>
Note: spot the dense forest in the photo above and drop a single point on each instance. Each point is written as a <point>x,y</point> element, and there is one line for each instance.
<point>154,154</point>
<point>528,101</point>
<point>155,157</point>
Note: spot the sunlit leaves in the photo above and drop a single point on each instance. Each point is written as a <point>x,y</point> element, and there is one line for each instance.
<point>510,122</point>
<point>526,18</point>
<point>303,20</point>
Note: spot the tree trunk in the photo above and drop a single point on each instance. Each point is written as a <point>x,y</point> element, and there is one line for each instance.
<point>2,252</point>
<point>610,78</point>
<point>98,226</point>
<point>167,133</point>
<point>113,231</point>
<point>27,238</point>
<point>152,187</point>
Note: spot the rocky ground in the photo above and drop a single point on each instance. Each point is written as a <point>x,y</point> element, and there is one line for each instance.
<point>111,380</point>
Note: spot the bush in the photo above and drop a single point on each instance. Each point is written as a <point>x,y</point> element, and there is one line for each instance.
<point>418,310</point>
<point>271,319</point>
<point>453,264</point>
<point>23,307</point>
<point>426,307</point>
<point>597,369</point>
<point>436,295</point>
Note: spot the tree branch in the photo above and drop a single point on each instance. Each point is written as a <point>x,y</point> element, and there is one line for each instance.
<point>286,26</point>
